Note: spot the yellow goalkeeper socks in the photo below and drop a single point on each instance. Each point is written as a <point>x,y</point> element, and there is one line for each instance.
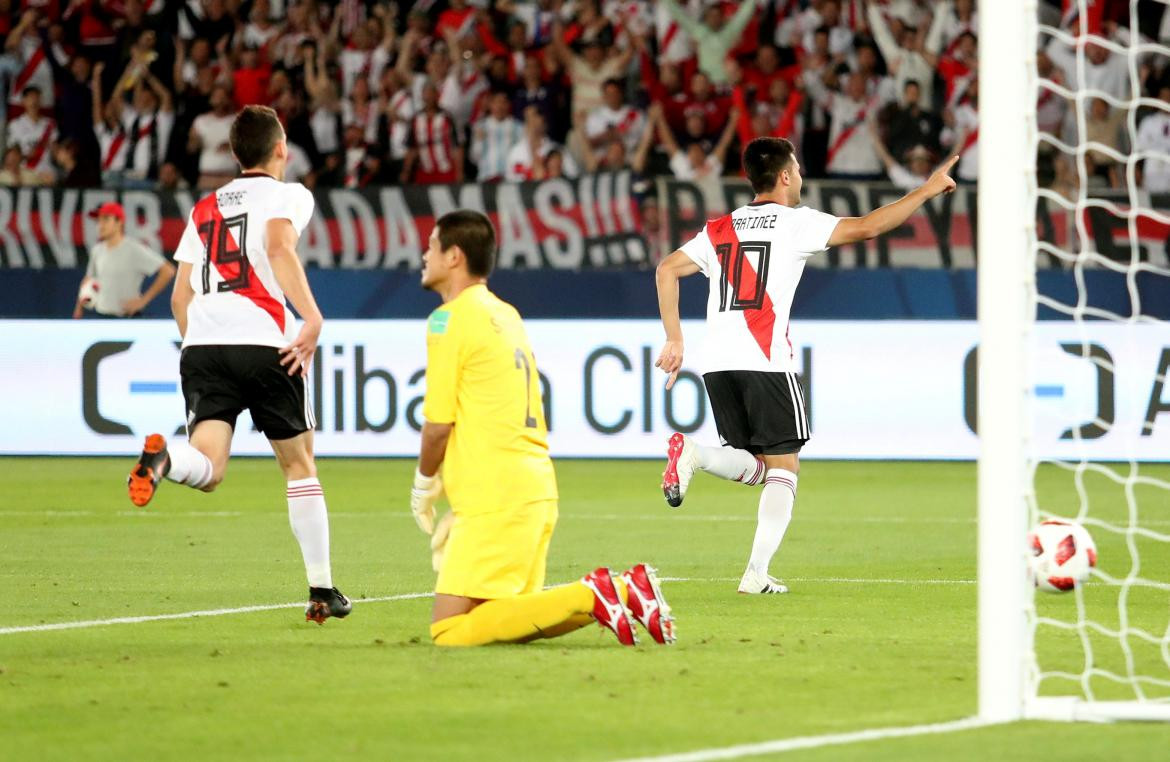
<point>547,614</point>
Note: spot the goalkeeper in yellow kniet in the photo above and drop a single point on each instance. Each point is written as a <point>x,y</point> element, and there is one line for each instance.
<point>485,443</point>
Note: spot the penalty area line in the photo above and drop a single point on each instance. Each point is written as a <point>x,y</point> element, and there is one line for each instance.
<point>188,615</point>
<point>814,742</point>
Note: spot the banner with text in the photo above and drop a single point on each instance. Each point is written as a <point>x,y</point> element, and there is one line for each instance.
<point>595,221</point>
<point>886,389</point>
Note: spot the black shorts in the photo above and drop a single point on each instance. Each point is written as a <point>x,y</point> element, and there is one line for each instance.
<point>220,382</point>
<point>758,411</point>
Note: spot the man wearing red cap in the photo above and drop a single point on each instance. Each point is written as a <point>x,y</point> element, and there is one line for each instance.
<point>119,265</point>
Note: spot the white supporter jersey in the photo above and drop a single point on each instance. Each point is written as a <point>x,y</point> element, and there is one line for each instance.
<point>754,258</point>
<point>237,299</point>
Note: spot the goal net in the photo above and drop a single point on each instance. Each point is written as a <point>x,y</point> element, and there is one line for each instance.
<point>1075,354</point>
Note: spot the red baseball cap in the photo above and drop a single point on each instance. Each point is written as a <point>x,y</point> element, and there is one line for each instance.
<point>111,208</point>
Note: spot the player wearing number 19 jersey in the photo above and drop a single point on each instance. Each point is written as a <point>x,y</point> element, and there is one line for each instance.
<point>485,428</point>
<point>754,258</point>
<point>242,348</point>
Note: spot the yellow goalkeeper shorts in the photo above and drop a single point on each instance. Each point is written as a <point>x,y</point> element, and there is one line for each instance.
<point>499,554</point>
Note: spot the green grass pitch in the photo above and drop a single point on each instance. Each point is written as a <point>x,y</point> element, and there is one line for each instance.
<point>879,629</point>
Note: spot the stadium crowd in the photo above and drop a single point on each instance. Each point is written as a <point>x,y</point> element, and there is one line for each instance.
<point>141,93</point>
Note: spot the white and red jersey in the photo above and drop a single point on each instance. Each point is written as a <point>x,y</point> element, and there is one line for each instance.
<point>34,139</point>
<point>754,258</point>
<point>361,63</point>
<point>967,125</point>
<point>237,299</point>
<point>627,121</point>
<point>674,43</point>
<point>34,71</point>
<point>434,137</point>
<point>114,144</point>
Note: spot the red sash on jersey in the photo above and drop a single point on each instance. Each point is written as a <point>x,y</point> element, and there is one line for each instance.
<point>671,33</point>
<point>847,133</point>
<point>38,150</point>
<point>969,141</point>
<point>115,146</point>
<point>30,68</point>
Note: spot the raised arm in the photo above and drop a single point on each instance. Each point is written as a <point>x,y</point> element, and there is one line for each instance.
<point>685,22</point>
<point>166,104</point>
<point>890,216</point>
<point>883,37</point>
<point>290,276</point>
<point>642,151</point>
<point>728,135</point>
<point>934,38</point>
<point>670,270</point>
<point>734,28</point>
<point>96,85</point>
<point>27,20</point>
<point>666,136</point>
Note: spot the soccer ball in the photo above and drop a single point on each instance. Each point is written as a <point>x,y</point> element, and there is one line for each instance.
<point>88,292</point>
<point>1062,555</point>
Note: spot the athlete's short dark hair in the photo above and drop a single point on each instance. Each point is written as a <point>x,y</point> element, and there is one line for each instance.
<point>764,159</point>
<point>473,232</point>
<point>255,133</point>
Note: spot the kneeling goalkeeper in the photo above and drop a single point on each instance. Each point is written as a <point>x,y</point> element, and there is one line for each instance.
<point>485,427</point>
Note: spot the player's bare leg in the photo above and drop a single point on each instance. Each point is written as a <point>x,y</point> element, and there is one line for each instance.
<point>309,518</point>
<point>199,463</point>
<point>684,456</point>
<point>775,513</point>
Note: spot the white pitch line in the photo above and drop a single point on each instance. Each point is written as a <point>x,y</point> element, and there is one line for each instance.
<point>188,615</point>
<point>814,742</point>
<point>84,624</point>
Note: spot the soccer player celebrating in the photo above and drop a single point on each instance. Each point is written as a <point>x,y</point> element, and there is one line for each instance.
<point>241,347</point>
<point>754,258</point>
<point>485,427</point>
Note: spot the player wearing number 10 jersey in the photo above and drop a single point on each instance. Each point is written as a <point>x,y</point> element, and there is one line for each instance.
<point>485,427</point>
<point>241,345</point>
<point>754,258</point>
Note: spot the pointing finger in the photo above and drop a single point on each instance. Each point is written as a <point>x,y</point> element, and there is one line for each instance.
<point>671,379</point>
<point>950,163</point>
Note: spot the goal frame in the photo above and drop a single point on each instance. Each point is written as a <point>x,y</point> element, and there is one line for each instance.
<point>1006,305</point>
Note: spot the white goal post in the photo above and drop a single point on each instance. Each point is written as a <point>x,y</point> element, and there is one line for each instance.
<point>1011,675</point>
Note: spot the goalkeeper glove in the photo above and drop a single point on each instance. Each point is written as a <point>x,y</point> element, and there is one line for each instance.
<point>423,494</point>
<point>439,539</point>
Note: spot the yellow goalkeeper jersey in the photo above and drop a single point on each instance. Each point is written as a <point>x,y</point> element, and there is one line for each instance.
<point>481,377</point>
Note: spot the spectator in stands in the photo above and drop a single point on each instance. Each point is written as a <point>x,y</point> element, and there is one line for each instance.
<point>493,136</point>
<point>1153,139</point>
<point>1104,125</point>
<point>250,78</point>
<point>715,35</point>
<point>209,137</point>
<point>16,173</point>
<point>75,169</point>
<point>614,120</point>
<point>904,55</point>
<point>917,167</point>
<point>549,97</point>
<point>962,135</point>
<point>587,72</point>
<point>434,149</point>
<point>536,157</point>
<point>170,178</point>
<point>33,132</point>
<point>696,161</point>
<point>851,154</point>
<point>120,265</point>
<point>908,124</point>
<point>26,45</point>
<point>148,125</point>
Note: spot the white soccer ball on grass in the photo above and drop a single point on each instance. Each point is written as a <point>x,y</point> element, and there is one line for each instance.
<point>1063,553</point>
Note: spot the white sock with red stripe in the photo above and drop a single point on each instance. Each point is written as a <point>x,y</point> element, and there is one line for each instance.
<point>310,525</point>
<point>730,463</point>
<point>188,465</point>
<point>775,512</point>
